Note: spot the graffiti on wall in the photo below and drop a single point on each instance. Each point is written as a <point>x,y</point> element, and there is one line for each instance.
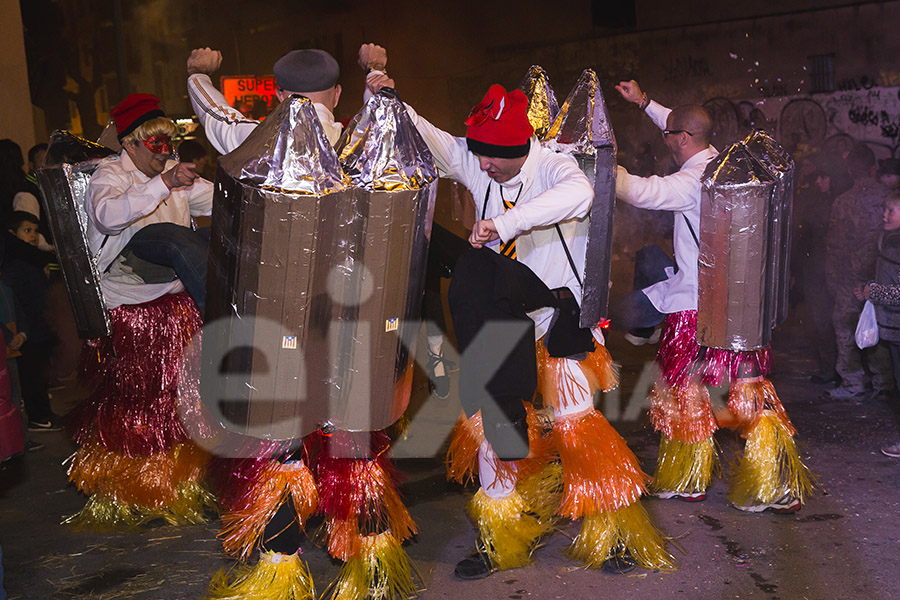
<point>828,120</point>
<point>864,83</point>
<point>686,67</point>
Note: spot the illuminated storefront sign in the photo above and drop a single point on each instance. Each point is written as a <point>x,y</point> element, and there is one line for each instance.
<point>253,96</point>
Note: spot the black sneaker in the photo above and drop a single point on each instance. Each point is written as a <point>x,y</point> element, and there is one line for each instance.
<point>48,425</point>
<point>439,385</point>
<point>475,566</point>
<point>33,446</point>
<point>619,564</point>
<point>822,379</point>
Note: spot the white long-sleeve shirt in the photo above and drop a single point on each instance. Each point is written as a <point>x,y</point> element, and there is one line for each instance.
<point>120,201</point>
<point>553,190</point>
<point>226,128</point>
<point>680,193</point>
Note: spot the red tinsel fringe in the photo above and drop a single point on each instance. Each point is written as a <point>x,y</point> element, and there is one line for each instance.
<point>134,377</point>
<point>749,398</point>
<point>680,357</point>
<point>719,363</point>
<point>357,479</point>
<point>237,479</point>
<point>682,413</point>
<point>678,347</point>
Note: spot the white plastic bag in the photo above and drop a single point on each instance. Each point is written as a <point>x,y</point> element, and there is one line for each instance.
<point>867,328</point>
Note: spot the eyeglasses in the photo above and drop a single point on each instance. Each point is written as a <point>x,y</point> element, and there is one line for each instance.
<point>674,131</point>
<point>159,144</point>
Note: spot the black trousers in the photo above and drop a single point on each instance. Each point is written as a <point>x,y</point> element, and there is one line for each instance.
<point>32,363</point>
<point>634,311</point>
<point>498,370</point>
<point>443,252</point>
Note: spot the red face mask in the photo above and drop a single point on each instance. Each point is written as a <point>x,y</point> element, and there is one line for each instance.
<point>159,144</point>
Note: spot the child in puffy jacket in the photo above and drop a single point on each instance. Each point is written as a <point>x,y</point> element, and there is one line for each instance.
<point>884,292</point>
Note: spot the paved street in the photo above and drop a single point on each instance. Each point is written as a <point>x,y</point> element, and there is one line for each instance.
<point>845,543</point>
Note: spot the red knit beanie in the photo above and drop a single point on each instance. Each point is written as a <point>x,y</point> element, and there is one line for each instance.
<point>499,126</point>
<point>134,111</point>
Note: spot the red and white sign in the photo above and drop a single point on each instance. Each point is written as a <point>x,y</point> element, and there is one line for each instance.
<point>253,96</point>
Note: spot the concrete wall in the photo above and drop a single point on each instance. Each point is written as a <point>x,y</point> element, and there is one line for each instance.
<point>445,54</point>
<point>739,64</point>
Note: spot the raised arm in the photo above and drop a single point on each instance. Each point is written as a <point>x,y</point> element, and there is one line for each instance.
<point>373,60</point>
<point>226,128</point>
<point>679,191</point>
<point>633,93</point>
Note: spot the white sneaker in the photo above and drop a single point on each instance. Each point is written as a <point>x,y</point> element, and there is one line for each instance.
<point>637,340</point>
<point>892,451</point>
<point>684,497</point>
<point>785,505</point>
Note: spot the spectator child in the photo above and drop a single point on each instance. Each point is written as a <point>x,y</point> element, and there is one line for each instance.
<point>25,271</point>
<point>884,292</point>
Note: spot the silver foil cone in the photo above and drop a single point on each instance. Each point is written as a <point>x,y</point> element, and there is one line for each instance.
<point>288,153</point>
<point>769,153</point>
<point>582,129</point>
<point>313,299</point>
<point>66,147</point>
<point>71,161</point>
<point>735,167</point>
<point>542,104</point>
<point>583,121</point>
<point>381,150</point>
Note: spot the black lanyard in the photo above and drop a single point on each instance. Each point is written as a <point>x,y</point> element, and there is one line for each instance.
<point>487,195</point>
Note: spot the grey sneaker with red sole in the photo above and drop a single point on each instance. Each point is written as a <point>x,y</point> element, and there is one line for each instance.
<point>683,496</point>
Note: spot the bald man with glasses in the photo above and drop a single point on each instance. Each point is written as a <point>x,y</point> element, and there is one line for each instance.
<point>681,407</point>
<point>663,286</point>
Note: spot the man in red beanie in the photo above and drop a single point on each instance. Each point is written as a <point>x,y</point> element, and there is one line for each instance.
<point>139,207</point>
<point>514,301</point>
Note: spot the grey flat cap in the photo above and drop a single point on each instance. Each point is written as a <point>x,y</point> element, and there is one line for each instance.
<point>306,71</point>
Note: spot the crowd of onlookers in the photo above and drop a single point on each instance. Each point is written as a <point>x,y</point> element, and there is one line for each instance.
<point>28,309</point>
<point>846,223</point>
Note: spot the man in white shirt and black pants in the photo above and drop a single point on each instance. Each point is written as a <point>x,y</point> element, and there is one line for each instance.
<point>528,259</point>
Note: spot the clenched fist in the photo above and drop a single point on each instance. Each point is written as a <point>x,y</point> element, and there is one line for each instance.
<point>204,60</point>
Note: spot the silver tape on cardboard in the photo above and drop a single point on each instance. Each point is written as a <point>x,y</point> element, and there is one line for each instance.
<point>780,166</point>
<point>583,130</point>
<point>70,163</point>
<point>318,286</point>
<point>276,157</point>
<point>735,308</point>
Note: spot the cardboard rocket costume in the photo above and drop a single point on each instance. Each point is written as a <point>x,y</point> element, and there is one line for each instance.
<point>745,214</point>
<point>136,459</point>
<point>319,264</point>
